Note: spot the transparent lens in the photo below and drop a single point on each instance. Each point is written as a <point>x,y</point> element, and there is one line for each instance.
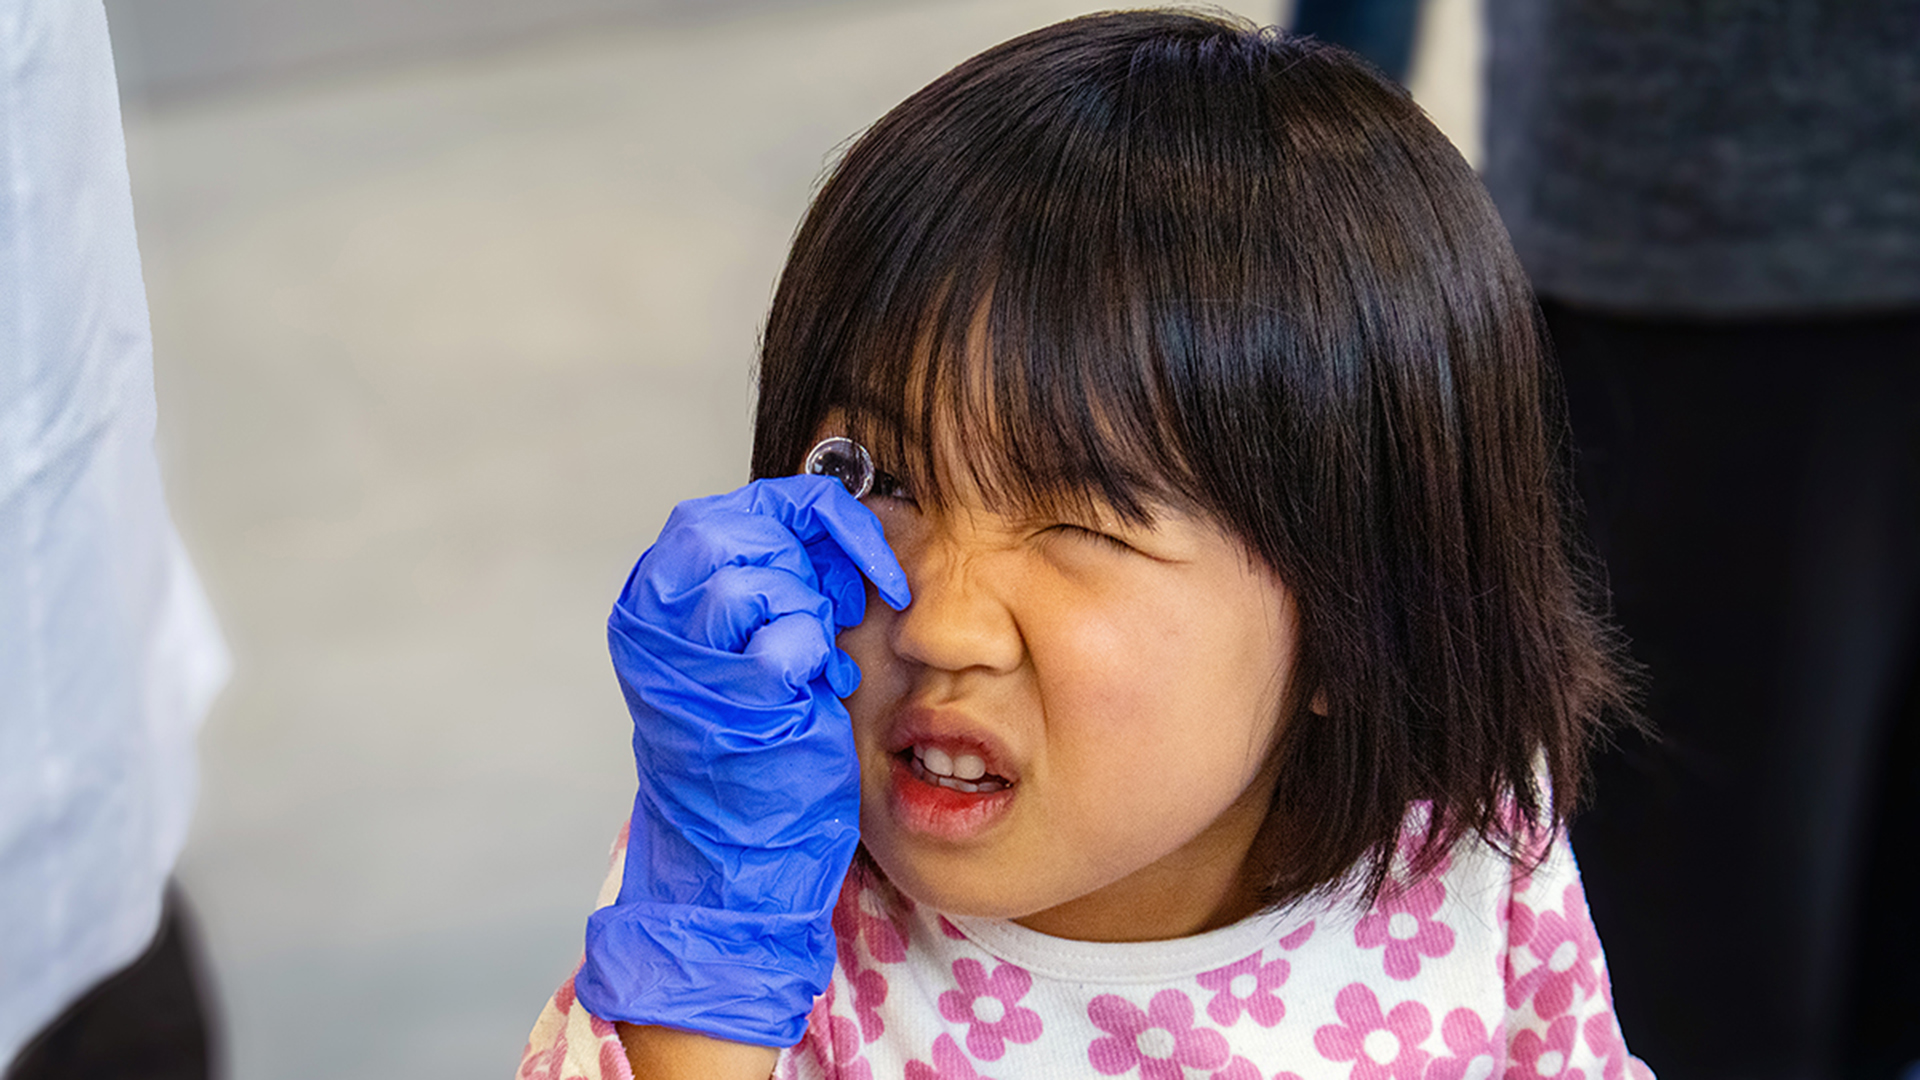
<point>844,460</point>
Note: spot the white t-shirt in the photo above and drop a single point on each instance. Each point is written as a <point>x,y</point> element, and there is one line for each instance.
<point>1476,971</point>
<point>109,655</point>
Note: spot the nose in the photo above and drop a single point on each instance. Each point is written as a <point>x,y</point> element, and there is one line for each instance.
<point>961,618</point>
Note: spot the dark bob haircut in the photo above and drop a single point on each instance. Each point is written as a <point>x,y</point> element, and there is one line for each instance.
<point>1161,257</point>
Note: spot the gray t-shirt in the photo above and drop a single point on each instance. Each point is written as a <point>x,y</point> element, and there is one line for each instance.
<point>1709,157</point>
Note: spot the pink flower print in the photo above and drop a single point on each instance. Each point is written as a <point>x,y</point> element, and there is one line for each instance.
<point>863,913</point>
<point>1529,837</point>
<point>613,1060</point>
<point>1565,943</point>
<point>1403,921</point>
<point>1473,1054</point>
<point>1520,921</point>
<point>1534,1058</point>
<point>1242,1069</point>
<point>544,1064</point>
<point>951,932</point>
<point>1380,1047</point>
<point>550,1063</point>
<point>1603,1038</point>
<point>860,913</point>
<point>1298,937</point>
<point>1238,1069</point>
<point>846,1052</point>
<point>1522,879</point>
<point>1413,837</point>
<point>1161,1042</point>
<point>869,993</point>
<point>835,1047</point>
<point>989,1006</point>
<point>815,1041</point>
<point>948,1063</point>
<point>869,985</point>
<point>1246,986</point>
<point>869,990</point>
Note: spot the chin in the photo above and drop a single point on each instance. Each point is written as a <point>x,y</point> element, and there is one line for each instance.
<point>975,897</point>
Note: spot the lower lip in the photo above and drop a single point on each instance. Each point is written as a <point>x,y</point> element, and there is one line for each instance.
<point>941,813</point>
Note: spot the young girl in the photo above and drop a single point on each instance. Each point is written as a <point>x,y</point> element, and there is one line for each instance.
<point>1229,682</point>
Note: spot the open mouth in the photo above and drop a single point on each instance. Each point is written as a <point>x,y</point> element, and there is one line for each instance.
<point>963,772</point>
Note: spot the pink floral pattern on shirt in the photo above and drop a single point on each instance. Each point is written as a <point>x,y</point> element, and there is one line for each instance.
<point>1535,1058</point>
<point>1238,1069</point>
<point>1602,1031</point>
<point>1242,1069</point>
<point>833,1043</point>
<point>594,1053</point>
<point>1520,993</point>
<point>867,913</point>
<point>861,915</point>
<point>1473,1052</point>
<point>843,1035</point>
<point>869,988</point>
<point>1403,921</point>
<point>948,1064</point>
<point>1160,1041</point>
<point>549,1063</point>
<point>1382,1046</point>
<point>989,1004</point>
<point>1567,948</point>
<point>1246,987</point>
<point>1298,937</point>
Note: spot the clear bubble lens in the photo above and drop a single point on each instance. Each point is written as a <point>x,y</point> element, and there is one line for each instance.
<point>844,460</point>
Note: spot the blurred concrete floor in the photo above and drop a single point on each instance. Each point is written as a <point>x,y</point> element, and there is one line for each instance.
<point>437,349</point>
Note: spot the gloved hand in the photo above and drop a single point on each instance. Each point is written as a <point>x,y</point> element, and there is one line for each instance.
<point>749,802</point>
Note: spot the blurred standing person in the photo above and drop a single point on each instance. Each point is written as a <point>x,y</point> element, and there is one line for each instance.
<point>108,653</point>
<point>1383,31</point>
<point>1720,208</point>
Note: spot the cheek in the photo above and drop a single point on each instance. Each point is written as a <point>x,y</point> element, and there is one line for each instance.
<point>1145,654</point>
<point>1117,692</point>
<point>1165,690</point>
<point>1095,672</point>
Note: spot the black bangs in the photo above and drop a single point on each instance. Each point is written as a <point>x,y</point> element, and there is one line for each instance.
<point>1024,263</point>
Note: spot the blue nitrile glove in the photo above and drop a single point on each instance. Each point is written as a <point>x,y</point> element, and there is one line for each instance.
<point>749,803</point>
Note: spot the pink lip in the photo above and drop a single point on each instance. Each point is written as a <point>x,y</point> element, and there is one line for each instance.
<point>933,811</point>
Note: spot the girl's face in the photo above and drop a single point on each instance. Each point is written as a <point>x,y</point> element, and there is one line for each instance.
<point>1069,725</point>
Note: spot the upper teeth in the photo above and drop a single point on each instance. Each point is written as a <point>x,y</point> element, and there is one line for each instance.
<point>959,766</point>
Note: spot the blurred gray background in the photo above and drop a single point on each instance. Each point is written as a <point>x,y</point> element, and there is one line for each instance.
<point>452,300</point>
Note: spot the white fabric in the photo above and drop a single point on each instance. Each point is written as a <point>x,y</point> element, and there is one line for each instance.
<point>1475,971</point>
<point>1481,969</point>
<point>109,655</point>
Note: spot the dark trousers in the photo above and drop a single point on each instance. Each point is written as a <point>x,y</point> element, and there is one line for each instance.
<point>1754,490</point>
<point>147,1022</point>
